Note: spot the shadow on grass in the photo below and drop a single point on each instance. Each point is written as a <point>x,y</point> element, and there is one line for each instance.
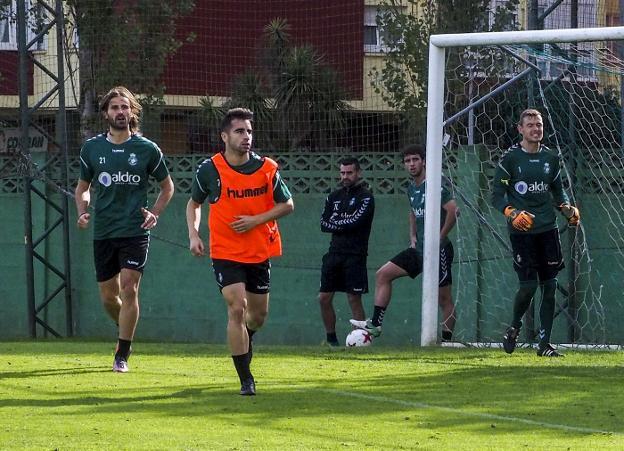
<point>54,372</point>
<point>441,388</point>
<point>573,398</point>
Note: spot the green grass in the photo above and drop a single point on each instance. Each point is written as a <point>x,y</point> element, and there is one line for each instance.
<point>63,395</point>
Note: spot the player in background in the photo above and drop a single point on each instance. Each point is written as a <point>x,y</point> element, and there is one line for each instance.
<point>246,195</point>
<point>348,216</point>
<point>118,164</point>
<point>410,261</point>
<point>527,189</point>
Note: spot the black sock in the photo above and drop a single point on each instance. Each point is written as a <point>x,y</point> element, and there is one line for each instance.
<point>123,349</point>
<point>547,311</point>
<point>447,335</point>
<point>250,351</point>
<point>523,299</point>
<point>241,363</point>
<point>331,337</point>
<point>378,315</point>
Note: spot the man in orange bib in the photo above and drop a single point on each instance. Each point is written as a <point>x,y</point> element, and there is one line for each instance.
<point>246,195</point>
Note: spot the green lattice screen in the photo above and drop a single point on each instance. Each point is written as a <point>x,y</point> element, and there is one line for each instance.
<point>312,173</point>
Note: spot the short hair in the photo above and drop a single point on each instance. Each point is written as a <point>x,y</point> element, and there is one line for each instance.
<point>348,161</point>
<point>135,106</point>
<point>415,149</point>
<point>529,112</point>
<point>243,114</point>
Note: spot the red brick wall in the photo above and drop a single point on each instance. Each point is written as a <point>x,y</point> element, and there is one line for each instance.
<point>229,35</point>
<point>9,80</point>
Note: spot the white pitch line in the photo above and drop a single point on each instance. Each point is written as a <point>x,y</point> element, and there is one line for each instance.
<point>489,416</point>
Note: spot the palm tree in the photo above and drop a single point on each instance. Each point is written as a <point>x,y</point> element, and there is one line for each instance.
<point>309,103</point>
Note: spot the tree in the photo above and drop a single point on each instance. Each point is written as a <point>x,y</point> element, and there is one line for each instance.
<point>293,92</point>
<point>123,43</point>
<point>402,81</point>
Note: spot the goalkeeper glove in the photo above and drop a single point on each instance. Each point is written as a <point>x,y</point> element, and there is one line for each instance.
<point>519,219</point>
<point>571,213</point>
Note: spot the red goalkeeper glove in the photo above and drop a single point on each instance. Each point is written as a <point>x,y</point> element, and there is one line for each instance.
<point>571,213</point>
<point>519,219</point>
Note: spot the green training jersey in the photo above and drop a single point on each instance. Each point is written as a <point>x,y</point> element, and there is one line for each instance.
<point>531,182</point>
<point>416,195</point>
<point>207,183</point>
<point>119,174</point>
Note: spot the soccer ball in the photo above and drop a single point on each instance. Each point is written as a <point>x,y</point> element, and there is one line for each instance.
<point>359,337</point>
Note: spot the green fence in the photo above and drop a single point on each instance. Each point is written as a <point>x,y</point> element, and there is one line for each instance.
<point>181,302</point>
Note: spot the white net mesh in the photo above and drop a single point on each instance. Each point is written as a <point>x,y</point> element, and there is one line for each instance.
<point>578,92</point>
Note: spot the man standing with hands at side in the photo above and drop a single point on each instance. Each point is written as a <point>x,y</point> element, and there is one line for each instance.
<point>348,216</point>
<point>527,189</point>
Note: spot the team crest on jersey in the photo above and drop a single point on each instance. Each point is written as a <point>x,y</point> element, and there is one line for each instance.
<point>546,168</point>
<point>105,179</point>
<point>133,160</point>
<point>521,187</point>
<point>352,201</point>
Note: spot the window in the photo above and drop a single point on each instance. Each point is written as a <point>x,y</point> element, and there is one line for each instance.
<point>8,31</point>
<point>37,19</point>
<point>373,34</point>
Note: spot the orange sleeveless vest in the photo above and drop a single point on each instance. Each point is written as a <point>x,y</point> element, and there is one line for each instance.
<point>243,194</point>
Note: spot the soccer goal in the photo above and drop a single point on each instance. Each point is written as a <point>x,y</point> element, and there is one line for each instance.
<point>478,85</point>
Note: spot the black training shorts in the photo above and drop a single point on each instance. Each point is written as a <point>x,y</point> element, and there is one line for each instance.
<point>112,254</point>
<point>344,272</point>
<point>537,255</point>
<point>255,276</point>
<point>411,261</point>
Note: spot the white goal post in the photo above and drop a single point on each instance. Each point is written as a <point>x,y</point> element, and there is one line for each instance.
<point>435,125</point>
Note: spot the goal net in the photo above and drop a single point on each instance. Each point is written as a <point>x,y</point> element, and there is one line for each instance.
<point>577,87</point>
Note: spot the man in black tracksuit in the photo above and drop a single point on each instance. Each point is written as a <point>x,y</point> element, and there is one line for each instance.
<point>348,216</point>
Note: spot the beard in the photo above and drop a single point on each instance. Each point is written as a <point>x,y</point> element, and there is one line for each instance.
<point>118,123</point>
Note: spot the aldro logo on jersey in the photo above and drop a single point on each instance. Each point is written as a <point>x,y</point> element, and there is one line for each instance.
<point>247,192</point>
<point>419,212</point>
<point>523,187</point>
<point>118,178</point>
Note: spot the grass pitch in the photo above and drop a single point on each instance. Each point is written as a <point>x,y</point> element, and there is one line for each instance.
<point>63,395</point>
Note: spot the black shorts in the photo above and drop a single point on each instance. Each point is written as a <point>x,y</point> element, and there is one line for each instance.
<point>112,254</point>
<point>344,272</point>
<point>537,255</point>
<point>411,261</point>
<point>255,276</point>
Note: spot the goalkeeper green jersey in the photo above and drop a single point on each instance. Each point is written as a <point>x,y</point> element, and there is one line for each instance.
<point>119,174</point>
<point>531,182</point>
<point>416,195</point>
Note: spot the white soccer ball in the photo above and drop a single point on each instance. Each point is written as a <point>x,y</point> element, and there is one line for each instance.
<point>359,337</point>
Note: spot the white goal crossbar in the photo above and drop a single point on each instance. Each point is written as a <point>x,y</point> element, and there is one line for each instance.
<point>435,124</point>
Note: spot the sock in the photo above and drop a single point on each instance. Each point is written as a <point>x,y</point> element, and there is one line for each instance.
<point>332,337</point>
<point>241,363</point>
<point>547,311</point>
<point>250,351</point>
<point>447,335</point>
<point>378,315</point>
<point>123,349</point>
<point>524,295</point>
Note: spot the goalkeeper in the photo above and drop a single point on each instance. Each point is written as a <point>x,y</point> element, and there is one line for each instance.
<point>527,189</point>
